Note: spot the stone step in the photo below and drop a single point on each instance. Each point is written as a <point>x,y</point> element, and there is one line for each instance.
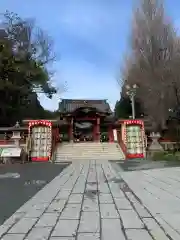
<point>83,158</point>
<point>88,151</point>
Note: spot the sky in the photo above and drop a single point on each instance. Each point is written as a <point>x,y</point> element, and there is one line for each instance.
<point>91,39</point>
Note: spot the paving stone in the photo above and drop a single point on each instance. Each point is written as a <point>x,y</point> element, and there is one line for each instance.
<point>57,205</point>
<point>112,229</point>
<point>91,187</point>
<point>174,234</point>
<point>130,219</point>
<point>39,233</point>
<point>69,186</point>
<point>155,229</point>
<point>138,234</point>
<point>90,205</point>
<point>173,219</point>
<point>88,236</point>
<point>47,198</point>
<point>75,198</point>
<point>13,237</point>
<point>14,218</point>
<point>116,191</point>
<point>47,220</point>
<point>71,211</point>
<point>62,238</point>
<point>25,208</point>
<point>79,188</point>
<point>131,197</point>
<point>100,176</point>
<point>91,177</point>
<point>34,213</point>
<point>89,222</point>
<point>141,210</point>
<point>103,188</point>
<point>4,229</point>
<point>108,211</point>
<point>40,206</point>
<point>105,198</point>
<point>64,194</point>
<point>146,185</point>
<point>66,228</point>
<point>23,226</point>
<point>122,203</point>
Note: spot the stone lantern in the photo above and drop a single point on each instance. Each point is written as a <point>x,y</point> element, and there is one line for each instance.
<point>155,146</point>
<point>16,134</point>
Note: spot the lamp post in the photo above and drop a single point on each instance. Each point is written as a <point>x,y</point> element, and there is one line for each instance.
<point>131,92</point>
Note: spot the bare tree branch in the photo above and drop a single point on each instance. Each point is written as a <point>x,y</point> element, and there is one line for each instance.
<point>155,50</point>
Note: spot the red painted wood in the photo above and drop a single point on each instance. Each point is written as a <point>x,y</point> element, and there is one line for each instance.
<point>110,134</point>
<point>137,155</point>
<point>71,130</point>
<point>40,159</point>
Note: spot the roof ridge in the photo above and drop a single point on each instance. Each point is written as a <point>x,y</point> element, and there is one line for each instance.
<point>82,99</point>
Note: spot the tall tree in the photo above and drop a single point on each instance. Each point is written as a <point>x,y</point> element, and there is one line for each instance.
<point>24,57</point>
<point>123,108</point>
<point>151,64</point>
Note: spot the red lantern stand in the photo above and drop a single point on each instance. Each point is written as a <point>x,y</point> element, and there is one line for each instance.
<point>40,132</point>
<point>133,137</point>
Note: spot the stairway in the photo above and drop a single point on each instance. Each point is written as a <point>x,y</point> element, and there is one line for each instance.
<point>88,151</point>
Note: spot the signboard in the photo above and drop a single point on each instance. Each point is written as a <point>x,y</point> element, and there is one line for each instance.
<point>11,152</point>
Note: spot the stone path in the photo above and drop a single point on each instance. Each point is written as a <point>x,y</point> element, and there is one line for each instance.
<point>87,201</point>
<point>159,191</point>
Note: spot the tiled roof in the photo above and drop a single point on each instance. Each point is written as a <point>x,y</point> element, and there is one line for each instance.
<point>70,105</point>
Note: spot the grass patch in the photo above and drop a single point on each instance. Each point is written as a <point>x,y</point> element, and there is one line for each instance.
<point>166,156</point>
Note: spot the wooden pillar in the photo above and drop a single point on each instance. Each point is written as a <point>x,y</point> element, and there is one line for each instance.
<point>94,131</point>
<point>110,133</point>
<point>58,134</point>
<point>98,130</point>
<point>71,138</point>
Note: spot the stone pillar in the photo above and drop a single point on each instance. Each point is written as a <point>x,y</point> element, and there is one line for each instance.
<point>110,133</point>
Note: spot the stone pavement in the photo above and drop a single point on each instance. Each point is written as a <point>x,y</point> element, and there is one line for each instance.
<point>87,201</point>
<point>159,191</point>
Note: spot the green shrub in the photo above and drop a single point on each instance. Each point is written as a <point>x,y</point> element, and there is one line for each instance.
<point>166,156</point>
<point>157,156</point>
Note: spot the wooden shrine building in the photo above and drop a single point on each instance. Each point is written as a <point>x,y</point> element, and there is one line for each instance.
<point>85,120</point>
<point>78,121</point>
